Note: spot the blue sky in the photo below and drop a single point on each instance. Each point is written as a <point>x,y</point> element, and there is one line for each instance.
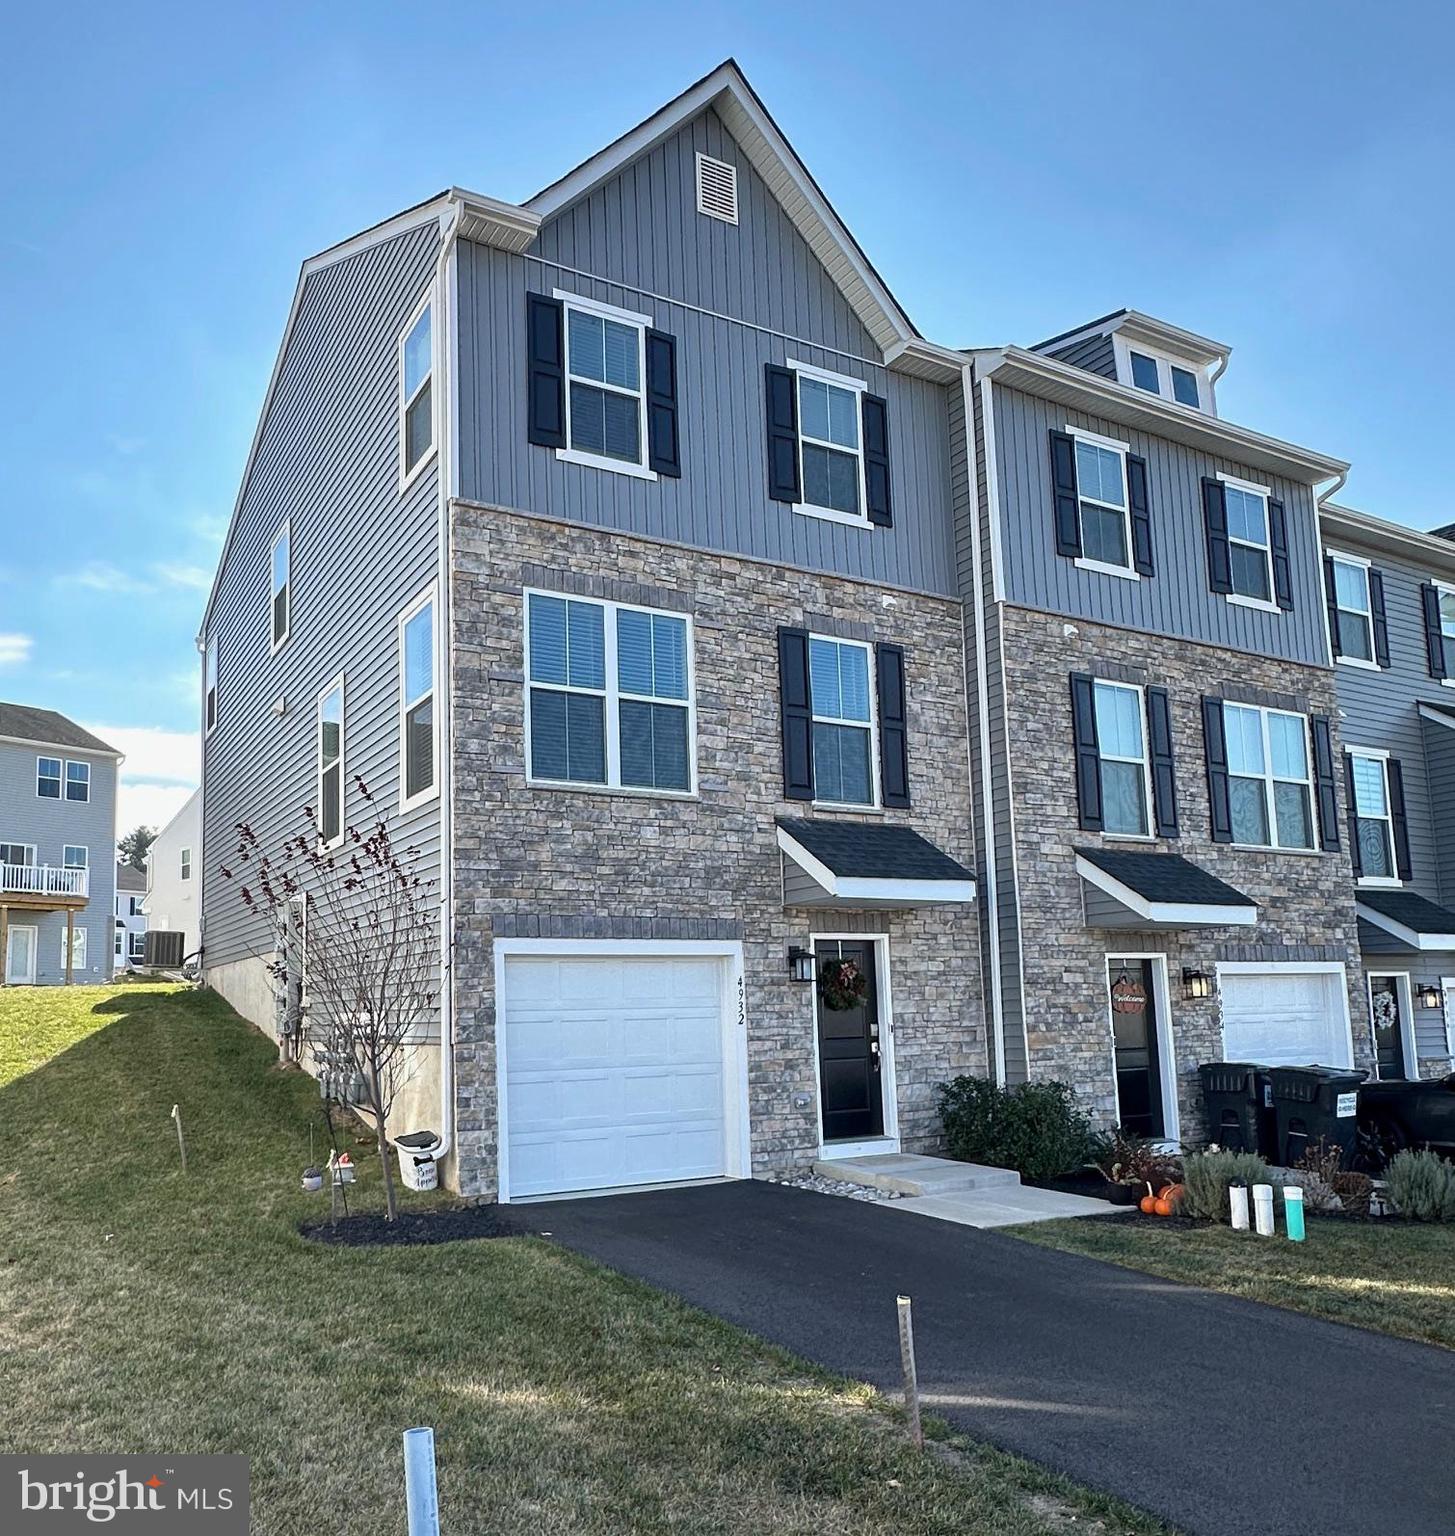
<point>1276,176</point>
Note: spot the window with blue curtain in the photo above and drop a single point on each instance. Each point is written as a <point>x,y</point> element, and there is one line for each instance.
<point>603,365</point>
<point>843,772</point>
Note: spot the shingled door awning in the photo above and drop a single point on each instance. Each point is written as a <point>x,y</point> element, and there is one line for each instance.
<point>1126,889</point>
<point>854,865</point>
<point>1411,921</point>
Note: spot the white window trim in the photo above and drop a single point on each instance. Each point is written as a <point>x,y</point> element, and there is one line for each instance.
<point>407,477</point>
<point>77,932</point>
<point>642,323</point>
<point>336,685</point>
<point>612,695</point>
<point>285,531</point>
<point>858,388</point>
<point>1378,755</point>
<point>1166,361</point>
<point>209,687</point>
<point>1149,836</point>
<point>70,799</point>
<point>1269,779</point>
<point>1339,557</point>
<point>84,851</point>
<point>184,864</point>
<point>26,864</point>
<point>814,718</point>
<point>1447,987</point>
<point>1127,572</point>
<point>1446,589</point>
<point>43,757</point>
<point>1405,996</point>
<point>408,802</point>
<point>1239,599</point>
<point>1166,1040</point>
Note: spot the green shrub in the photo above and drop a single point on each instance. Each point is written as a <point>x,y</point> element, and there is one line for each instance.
<point>1034,1128</point>
<point>1422,1186</point>
<point>1205,1179</point>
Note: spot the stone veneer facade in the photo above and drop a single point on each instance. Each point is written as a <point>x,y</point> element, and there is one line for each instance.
<point>1306,900</point>
<point>585,863</point>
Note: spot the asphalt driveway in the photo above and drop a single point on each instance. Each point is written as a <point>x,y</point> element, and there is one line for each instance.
<point>1221,1416</point>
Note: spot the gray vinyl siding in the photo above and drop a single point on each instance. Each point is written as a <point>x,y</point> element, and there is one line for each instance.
<point>1095,353</point>
<point>1439,744</point>
<point>1175,601</point>
<point>328,461</point>
<point>49,825</point>
<point>782,306</point>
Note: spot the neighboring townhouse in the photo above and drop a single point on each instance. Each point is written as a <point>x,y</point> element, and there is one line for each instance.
<point>1391,606</point>
<point>1164,877</point>
<point>608,539</point>
<point>130,942</point>
<point>173,876</point>
<point>57,849</point>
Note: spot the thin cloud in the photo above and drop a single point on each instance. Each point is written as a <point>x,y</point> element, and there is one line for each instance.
<point>148,805</point>
<point>154,756</point>
<point>98,576</point>
<point>195,577</point>
<point>101,576</point>
<point>15,649</point>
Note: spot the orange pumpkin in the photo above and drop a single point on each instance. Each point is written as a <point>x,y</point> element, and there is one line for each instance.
<point>1162,1206</point>
<point>1146,1204</point>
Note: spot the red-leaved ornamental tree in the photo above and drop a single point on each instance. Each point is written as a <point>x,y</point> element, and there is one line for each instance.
<point>370,953</point>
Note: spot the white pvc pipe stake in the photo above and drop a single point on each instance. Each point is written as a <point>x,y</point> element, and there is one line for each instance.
<point>421,1496</point>
<point>911,1376</point>
<point>1238,1204</point>
<point>1263,1209</point>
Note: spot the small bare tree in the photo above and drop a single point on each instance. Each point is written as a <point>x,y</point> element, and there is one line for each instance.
<point>372,945</point>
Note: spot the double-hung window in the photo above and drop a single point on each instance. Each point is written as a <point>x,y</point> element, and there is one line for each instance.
<point>209,685</point>
<point>609,695</point>
<point>138,946</point>
<point>1446,598</point>
<point>844,756</point>
<point>1353,614</point>
<point>1125,776</point>
<point>75,857</point>
<point>417,715</point>
<point>1101,485</point>
<point>1249,556</point>
<point>831,455</point>
<point>78,781</point>
<point>605,398</point>
<point>331,763</point>
<point>1269,790</point>
<point>281,600</point>
<point>186,864</point>
<point>48,772</point>
<point>416,392</point>
<point>1373,815</point>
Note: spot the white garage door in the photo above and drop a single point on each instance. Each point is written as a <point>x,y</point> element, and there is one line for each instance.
<point>1285,1018</point>
<point>614,1071</point>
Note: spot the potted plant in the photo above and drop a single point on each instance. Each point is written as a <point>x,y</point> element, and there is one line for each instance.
<point>312,1180</point>
<point>1133,1165</point>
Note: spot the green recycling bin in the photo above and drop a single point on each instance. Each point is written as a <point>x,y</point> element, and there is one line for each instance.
<point>1313,1104</point>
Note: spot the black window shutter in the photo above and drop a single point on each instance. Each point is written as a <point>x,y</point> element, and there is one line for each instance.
<point>875,416</point>
<point>781,393</point>
<point>1331,599</point>
<point>1434,640</point>
<point>1088,753</point>
<point>1141,515</point>
<point>1215,527</point>
<point>796,705</point>
<point>1381,618</point>
<point>1351,811</point>
<point>546,365</point>
<point>893,726</point>
<point>663,447</point>
<point>1324,784</point>
<point>1164,776</point>
<point>1399,820</point>
<point>1215,747</point>
<point>1282,565</point>
<point>1067,499</point>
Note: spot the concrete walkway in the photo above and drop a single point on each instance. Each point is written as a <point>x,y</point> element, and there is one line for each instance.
<point>1224,1417</point>
<point>968,1193</point>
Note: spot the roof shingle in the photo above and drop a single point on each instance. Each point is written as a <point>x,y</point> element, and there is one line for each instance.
<point>21,722</point>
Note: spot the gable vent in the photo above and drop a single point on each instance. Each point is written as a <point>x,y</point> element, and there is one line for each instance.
<point>717,189</point>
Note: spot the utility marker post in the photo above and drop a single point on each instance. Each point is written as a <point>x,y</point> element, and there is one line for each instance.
<point>421,1497</point>
<point>181,1142</point>
<point>911,1377</point>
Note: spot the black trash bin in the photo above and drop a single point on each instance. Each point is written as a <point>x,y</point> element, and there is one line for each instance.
<point>1312,1104</point>
<point>1239,1105</point>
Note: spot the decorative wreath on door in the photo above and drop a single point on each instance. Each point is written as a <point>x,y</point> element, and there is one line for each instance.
<point>1386,1011</point>
<point>841,985</point>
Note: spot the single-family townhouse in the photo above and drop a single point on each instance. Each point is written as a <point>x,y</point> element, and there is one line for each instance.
<point>1391,614</point>
<point>130,942</point>
<point>57,849</point>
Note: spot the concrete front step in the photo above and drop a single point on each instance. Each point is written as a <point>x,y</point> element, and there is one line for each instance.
<point>907,1173</point>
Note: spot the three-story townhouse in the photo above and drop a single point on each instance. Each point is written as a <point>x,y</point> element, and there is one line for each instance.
<point>608,538</point>
<point>1165,881</point>
<point>1391,610</point>
<point>57,849</point>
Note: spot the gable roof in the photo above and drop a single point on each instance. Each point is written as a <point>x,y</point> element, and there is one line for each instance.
<point>1149,330</point>
<point>129,879</point>
<point>727,91</point>
<point>46,728</point>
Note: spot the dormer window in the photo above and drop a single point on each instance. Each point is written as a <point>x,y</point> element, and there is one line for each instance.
<point>1159,375</point>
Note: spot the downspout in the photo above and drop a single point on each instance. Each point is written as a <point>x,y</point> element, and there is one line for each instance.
<point>445,331</point>
<point>1319,500</point>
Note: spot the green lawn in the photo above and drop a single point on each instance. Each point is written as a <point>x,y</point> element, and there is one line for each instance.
<point>1394,1277</point>
<point>141,1310</point>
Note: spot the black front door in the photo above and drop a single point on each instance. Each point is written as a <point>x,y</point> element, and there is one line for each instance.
<point>1388,1027</point>
<point>848,1040</point>
<point>1134,1040</point>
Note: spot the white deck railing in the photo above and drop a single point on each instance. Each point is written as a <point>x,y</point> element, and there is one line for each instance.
<point>44,880</point>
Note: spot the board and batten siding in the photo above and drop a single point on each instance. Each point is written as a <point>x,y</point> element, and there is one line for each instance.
<point>1175,601</point>
<point>1439,743</point>
<point>49,825</point>
<point>328,462</point>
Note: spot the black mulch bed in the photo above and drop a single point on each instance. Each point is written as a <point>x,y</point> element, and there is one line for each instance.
<point>446,1224</point>
<point>1084,1182</point>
